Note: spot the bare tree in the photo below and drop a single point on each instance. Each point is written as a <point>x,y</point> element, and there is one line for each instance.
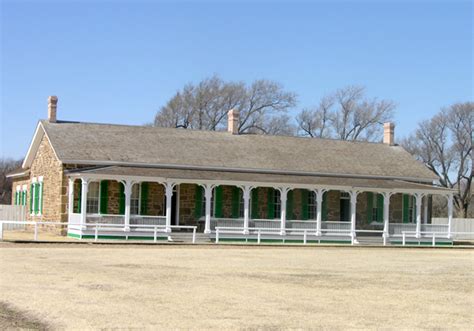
<point>444,144</point>
<point>316,122</point>
<point>7,166</point>
<point>347,114</point>
<point>204,106</point>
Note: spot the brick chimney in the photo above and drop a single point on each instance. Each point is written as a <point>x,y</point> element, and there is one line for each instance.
<point>389,133</point>
<point>52,108</point>
<point>233,121</point>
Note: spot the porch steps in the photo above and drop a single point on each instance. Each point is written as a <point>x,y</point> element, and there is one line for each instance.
<point>187,237</point>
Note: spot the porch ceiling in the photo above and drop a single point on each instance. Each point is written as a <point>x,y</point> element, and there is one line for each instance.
<point>237,178</point>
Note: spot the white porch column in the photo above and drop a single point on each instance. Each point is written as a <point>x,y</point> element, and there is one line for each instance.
<point>425,210</point>
<point>386,213</point>
<point>70,203</point>
<point>84,189</point>
<point>169,196</point>
<point>128,195</point>
<point>246,191</point>
<point>418,200</point>
<point>353,196</point>
<point>450,214</point>
<point>208,188</point>
<point>283,198</point>
<point>319,206</point>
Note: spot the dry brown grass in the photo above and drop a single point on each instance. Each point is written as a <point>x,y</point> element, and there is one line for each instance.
<point>224,287</point>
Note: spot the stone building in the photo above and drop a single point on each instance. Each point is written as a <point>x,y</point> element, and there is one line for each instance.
<point>135,176</point>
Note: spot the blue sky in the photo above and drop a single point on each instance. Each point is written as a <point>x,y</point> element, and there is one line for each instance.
<point>120,61</point>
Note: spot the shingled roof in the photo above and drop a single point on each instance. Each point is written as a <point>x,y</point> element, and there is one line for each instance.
<point>106,144</point>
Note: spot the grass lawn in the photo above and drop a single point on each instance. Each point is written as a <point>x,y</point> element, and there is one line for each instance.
<point>228,287</point>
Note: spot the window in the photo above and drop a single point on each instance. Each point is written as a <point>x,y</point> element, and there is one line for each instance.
<point>23,195</point>
<point>242,204</point>
<point>17,196</point>
<point>345,207</point>
<point>135,200</point>
<point>312,206</point>
<point>411,209</point>
<point>375,212</point>
<point>93,195</point>
<point>277,203</point>
<point>36,196</point>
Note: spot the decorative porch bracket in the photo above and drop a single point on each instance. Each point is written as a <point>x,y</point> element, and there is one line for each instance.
<point>208,188</point>
<point>418,200</point>
<point>283,197</point>
<point>169,186</point>
<point>246,192</point>
<point>319,202</point>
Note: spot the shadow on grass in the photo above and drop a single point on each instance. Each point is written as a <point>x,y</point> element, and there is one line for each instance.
<point>13,319</point>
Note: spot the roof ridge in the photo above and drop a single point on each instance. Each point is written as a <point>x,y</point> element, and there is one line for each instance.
<point>264,136</point>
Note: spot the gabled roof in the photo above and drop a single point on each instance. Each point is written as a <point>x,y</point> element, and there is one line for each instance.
<point>106,144</point>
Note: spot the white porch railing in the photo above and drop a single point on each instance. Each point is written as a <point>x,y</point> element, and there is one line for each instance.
<point>304,234</point>
<point>396,229</point>
<point>335,225</point>
<point>148,220</point>
<point>98,228</point>
<point>105,219</point>
<point>276,224</point>
<point>119,219</point>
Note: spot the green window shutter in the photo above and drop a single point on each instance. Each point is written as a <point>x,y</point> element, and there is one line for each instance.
<point>23,198</point>
<point>121,199</point>
<point>198,212</point>
<point>324,207</point>
<point>255,213</point>
<point>406,209</point>
<point>104,196</point>
<point>16,198</point>
<point>304,204</point>
<point>144,199</point>
<point>219,200</point>
<point>37,193</point>
<point>41,189</point>
<point>32,194</point>
<point>370,206</point>
<point>379,208</point>
<point>271,203</point>
<point>235,201</point>
<point>79,198</point>
<point>289,206</point>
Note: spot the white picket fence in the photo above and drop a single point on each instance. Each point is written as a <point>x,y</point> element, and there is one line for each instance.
<point>13,213</point>
<point>461,228</point>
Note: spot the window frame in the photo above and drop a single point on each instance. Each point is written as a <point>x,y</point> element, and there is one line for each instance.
<point>135,202</point>
<point>276,204</point>
<point>312,205</point>
<point>92,199</point>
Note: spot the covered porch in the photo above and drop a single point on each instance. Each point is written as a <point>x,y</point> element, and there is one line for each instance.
<point>230,205</point>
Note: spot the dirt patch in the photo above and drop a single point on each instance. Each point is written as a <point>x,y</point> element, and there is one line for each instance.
<point>231,287</point>
<point>13,319</point>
